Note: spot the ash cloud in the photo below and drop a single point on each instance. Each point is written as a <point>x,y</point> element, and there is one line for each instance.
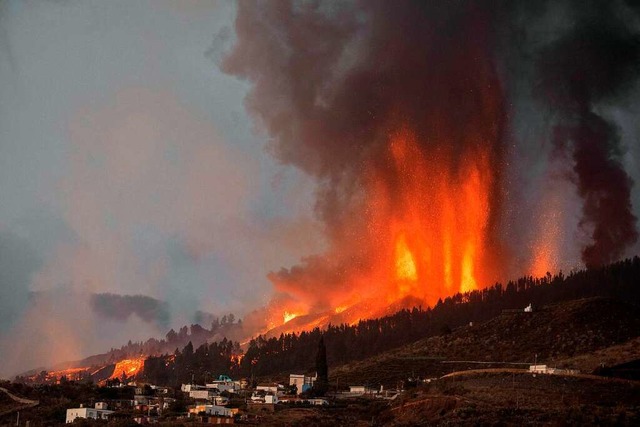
<point>331,82</point>
<point>18,263</point>
<point>596,63</point>
<point>120,307</point>
<point>531,81</point>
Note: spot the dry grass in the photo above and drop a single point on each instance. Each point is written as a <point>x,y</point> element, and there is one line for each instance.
<point>576,334</point>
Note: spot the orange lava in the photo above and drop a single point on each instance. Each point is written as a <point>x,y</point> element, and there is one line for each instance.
<point>427,236</point>
<point>130,368</point>
<point>437,226</point>
<point>288,316</point>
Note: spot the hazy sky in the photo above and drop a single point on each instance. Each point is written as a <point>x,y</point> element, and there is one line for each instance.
<point>129,165</point>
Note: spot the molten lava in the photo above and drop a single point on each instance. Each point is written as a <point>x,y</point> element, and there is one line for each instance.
<point>288,316</point>
<point>437,221</point>
<point>427,235</point>
<point>128,368</point>
<point>405,264</point>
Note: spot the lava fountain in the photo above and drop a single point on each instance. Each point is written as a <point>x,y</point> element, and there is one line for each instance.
<point>399,112</point>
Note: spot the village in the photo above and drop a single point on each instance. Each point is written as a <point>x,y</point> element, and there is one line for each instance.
<point>221,401</point>
<point>227,401</point>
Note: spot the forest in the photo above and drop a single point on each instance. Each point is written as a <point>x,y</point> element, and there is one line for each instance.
<point>296,352</point>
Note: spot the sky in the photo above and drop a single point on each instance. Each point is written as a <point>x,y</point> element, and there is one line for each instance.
<point>129,166</point>
<point>162,159</point>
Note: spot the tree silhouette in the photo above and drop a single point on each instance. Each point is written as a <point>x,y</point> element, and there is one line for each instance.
<point>322,381</point>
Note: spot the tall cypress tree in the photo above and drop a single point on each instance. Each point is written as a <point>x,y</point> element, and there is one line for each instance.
<point>322,382</point>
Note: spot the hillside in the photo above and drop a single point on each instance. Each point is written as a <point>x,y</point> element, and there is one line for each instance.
<point>556,334</point>
<point>517,399</point>
<point>201,352</point>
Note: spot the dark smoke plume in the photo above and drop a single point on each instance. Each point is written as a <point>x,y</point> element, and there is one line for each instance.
<point>120,307</point>
<point>596,62</point>
<point>332,80</point>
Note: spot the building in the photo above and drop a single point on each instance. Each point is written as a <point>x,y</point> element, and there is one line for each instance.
<point>360,390</point>
<point>216,410</point>
<point>99,412</point>
<point>224,383</point>
<point>271,388</point>
<point>302,382</point>
<point>202,394</point>
<point>189,387</point>
<point>271,398</point>
<point>544,369</point>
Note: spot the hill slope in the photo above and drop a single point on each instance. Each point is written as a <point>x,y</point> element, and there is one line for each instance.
<point>554,333</point>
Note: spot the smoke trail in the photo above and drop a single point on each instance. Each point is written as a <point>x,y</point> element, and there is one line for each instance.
<point>595,63</point>
<point>120,307</point>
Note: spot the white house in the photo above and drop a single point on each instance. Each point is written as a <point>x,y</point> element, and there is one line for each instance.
<point>202,394</point>
<point>544,369</point>
<point>230,386</point>
<point>271,398</point>
<point>190,387</point>
<point>302,382</point>
<point>360,390</point>
<point>100,412</point>
<point>220,411</point>
<point>270,388</point>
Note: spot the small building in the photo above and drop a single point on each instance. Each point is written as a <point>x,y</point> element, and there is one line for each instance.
<point>544,369</point>
<point>202,394</point>
<point>271,398</point>
<point>272,388</point>
<point>216,410</point>
<point>228,386</point>
<point>189,387</point>
<point>357,389</point>
<point>302,382</point>
<point>99,412</point>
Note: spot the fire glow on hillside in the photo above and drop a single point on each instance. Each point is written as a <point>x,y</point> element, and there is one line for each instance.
<point>405,113</point>
<point>128,368</point>
<point>428,238</point>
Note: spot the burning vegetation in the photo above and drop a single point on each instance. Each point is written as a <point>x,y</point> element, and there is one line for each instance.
<point>128,368</point>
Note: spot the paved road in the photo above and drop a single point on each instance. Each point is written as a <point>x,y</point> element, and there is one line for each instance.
<point>524,371</point>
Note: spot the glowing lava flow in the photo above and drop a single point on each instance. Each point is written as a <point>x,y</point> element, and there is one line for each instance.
<point>405,265</point>
<point>128,368</point>
<point>426,235</point>
<point>438,220</point>
<point>288,316</point>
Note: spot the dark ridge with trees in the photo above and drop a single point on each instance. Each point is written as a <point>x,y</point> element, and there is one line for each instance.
<point>221,328</point>
<point>345,343</point>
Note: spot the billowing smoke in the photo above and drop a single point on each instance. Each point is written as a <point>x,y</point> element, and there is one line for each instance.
<point>411,117</point>
<point>120,307</point>
<point>595,63</point>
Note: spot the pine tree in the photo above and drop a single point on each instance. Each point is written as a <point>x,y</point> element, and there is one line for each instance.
<point>322,381</point>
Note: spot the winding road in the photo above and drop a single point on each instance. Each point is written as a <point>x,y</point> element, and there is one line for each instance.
<point>26,403</point>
